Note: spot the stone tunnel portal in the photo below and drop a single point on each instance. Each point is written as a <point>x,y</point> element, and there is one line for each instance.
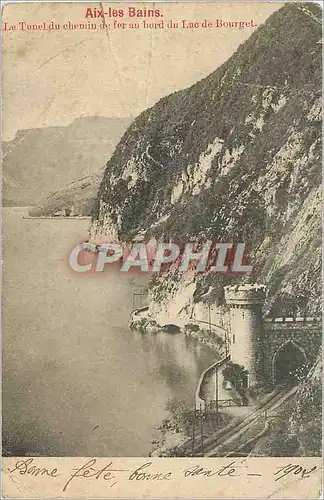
<point>289,364</point>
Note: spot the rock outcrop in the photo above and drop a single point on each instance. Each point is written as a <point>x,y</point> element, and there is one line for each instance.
<point>235,157</point>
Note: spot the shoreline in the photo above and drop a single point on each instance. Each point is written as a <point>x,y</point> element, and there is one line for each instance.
<point>173,436</point>
<point>59,217</point>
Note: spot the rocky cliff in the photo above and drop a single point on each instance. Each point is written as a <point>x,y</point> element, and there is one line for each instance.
<point>306,418</point>
<point>235,157</point>
<point>299,421</point>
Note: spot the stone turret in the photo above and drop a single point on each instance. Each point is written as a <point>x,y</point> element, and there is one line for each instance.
<point>246,325</point>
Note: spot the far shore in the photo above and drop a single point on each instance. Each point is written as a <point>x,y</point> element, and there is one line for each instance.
<point>56,217</point>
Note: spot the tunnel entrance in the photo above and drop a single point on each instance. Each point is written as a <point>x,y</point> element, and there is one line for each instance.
<point>171,328</point>
<point>289,364</point>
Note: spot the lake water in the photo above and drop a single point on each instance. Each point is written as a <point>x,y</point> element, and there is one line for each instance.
<point>76,380</point>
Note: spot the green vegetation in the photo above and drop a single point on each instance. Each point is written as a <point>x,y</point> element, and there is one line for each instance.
<point>237,375</point>
<point>256,107</point>
<point>182,416</point>
<point>205,335</point>
<point>180,423</point>
<point>139,325</point>
<point>296,429</point>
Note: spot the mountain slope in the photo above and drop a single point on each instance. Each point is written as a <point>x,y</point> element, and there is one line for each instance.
<point>77,198</point>
<point>39,161</point>
<point>303,414</point>
<point>235,157</point>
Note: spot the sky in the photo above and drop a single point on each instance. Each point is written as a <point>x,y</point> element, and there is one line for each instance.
<point>52,78</point>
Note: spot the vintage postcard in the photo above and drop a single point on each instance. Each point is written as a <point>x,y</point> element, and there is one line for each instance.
<point>161,249</point>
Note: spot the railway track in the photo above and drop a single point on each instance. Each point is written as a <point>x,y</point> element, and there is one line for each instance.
<point>236,436</point>
<point>235,439</point>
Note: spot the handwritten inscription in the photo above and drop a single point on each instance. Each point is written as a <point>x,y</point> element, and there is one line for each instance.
<point>140,475</point>
<point>110,473</point>
<point>225,470</point>
<point>25,467</point>
<point>88,471</point>
<point>297,470</point>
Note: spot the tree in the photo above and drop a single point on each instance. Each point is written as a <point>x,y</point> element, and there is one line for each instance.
<point>236,374</point>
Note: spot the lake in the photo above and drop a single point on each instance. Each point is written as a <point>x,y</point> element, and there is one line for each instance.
<point>76,380</point>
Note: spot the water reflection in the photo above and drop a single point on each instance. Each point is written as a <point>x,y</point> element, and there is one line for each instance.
<point>76,380</point>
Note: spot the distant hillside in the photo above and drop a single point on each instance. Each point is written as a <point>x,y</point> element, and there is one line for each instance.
<point>38,162</point>
<point>77,198</point>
